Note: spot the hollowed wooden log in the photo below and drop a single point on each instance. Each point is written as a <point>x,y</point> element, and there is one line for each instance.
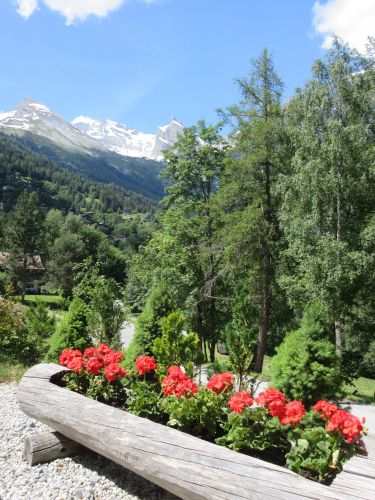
<point>48,446</point>
<point>182,464</point>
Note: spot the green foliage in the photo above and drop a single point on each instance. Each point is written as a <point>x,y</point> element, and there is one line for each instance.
<point>17,344</point>
<point>254,431</point>
<point>306,365</point>
<point>72,332</point>
<point>315,452</point>
<point>143,399</point>
<point>38,320</point>
<point>148,326</point>
<point>175,346</point>
<point>241,336</point>
<point>201,415</point>
<point>66,188</point>
<point>369,361</point>
<point>4,280</point>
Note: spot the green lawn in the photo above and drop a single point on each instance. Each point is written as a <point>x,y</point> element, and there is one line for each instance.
<point>362,391</point>
<point>47,299</point>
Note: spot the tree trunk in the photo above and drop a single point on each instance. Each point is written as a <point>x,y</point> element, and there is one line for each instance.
<point>264,321</point>
<point>338,336</point>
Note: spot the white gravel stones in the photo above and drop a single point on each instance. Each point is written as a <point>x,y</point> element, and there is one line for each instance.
<point>88,476</point>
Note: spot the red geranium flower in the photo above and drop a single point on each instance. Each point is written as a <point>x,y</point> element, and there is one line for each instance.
<point>177,382</point>
<point>94,365</point>
<point>221,382</point>
<point>349,425</point>
<point>113,357</point>
<point>293,412</point>
<point>90,351</point>
<point>325,409</point>
<point>103,349</point>
<point>112,371</point>
<point>145,364</point>
<point>270,395</point>
<point>68,354</point>
<point>76,364</point>
<point>240,401</point>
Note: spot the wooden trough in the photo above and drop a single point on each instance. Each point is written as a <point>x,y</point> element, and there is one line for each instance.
<point>182,464</point>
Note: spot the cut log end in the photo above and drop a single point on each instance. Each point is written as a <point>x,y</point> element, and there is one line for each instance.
<point>49,446</point>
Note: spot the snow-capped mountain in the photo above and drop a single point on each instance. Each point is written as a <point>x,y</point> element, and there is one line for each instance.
<point>86,134</point>
<point>129,142</point>
<point>34,117</point>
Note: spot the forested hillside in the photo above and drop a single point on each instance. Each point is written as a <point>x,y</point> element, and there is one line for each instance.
<point>58,187</point>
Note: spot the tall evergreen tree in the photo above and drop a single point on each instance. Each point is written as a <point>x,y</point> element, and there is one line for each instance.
<point>24,233</point>
<point>248,192</point>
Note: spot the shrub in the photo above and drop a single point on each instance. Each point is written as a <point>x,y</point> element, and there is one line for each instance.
<point>39,322</point>
<point>148,327</point>
<point>16,342</point>
<point>175,347</point>
<point>368,368</point>
<point>306,366</point>
<point>72,332</point>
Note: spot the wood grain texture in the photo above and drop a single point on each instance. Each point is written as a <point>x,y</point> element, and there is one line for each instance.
<point>41,448</point>
<point>182,464</point>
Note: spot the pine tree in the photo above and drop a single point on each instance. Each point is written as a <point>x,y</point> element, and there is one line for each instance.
<point>248,193</point>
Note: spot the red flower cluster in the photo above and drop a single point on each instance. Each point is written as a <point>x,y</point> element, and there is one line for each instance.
<point>145,364</point>
<point>72,358</point>
<point>339,420</point>
<point>222,382</point>
<point>177,382</point>
<point>269,396</point>
<point>288,413</point>
<point>94,360</point>
<point>325,409</point>
<point>292,413</point>
<point>240,401</point>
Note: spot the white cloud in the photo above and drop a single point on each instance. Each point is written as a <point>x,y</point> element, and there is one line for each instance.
<point>351,20</point>
<point>79,10</point>
<point>73,10</point>
<point>26,7</point>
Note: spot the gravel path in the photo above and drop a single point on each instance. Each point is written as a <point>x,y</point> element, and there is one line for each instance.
<point>88,476</point>
<point>127,333</point>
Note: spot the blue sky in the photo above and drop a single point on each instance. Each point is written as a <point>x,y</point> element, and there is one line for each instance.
<point>140,62</point>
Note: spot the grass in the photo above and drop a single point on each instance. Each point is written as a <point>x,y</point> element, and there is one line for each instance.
<point>362,391</point>
<point>47,299</point>
<point>11,372</point>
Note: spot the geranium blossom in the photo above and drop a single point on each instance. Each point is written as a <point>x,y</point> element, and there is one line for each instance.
<point>112,371</point>
<point>221,382</point>
<point>94,365</point>
<point>67,355</point>
<point>346,423</point>
<point>325,409</point>
<point>145,364</point>
<point>177,382</point>
<point>270,395</point>
<point>240,401</point>
<point>292,413</point>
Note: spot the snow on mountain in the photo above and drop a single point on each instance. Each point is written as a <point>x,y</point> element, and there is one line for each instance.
<point>129,142</point>
<point>86,134</point>
<point>35,117</point>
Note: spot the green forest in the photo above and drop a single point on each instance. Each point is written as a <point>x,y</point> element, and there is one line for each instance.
<point>262,246</point>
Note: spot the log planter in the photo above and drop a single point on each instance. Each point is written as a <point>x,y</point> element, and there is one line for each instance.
<point>182,464</point>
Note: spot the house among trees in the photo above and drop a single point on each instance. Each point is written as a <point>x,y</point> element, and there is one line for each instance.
<point>30,270</point>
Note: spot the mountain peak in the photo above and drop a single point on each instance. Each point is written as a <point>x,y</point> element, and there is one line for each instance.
<point>125,141</point>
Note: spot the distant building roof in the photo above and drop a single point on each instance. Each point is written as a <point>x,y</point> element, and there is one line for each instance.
<point>33,262</point>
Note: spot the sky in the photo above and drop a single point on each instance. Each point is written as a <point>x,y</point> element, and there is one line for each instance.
<point>140,62</point>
